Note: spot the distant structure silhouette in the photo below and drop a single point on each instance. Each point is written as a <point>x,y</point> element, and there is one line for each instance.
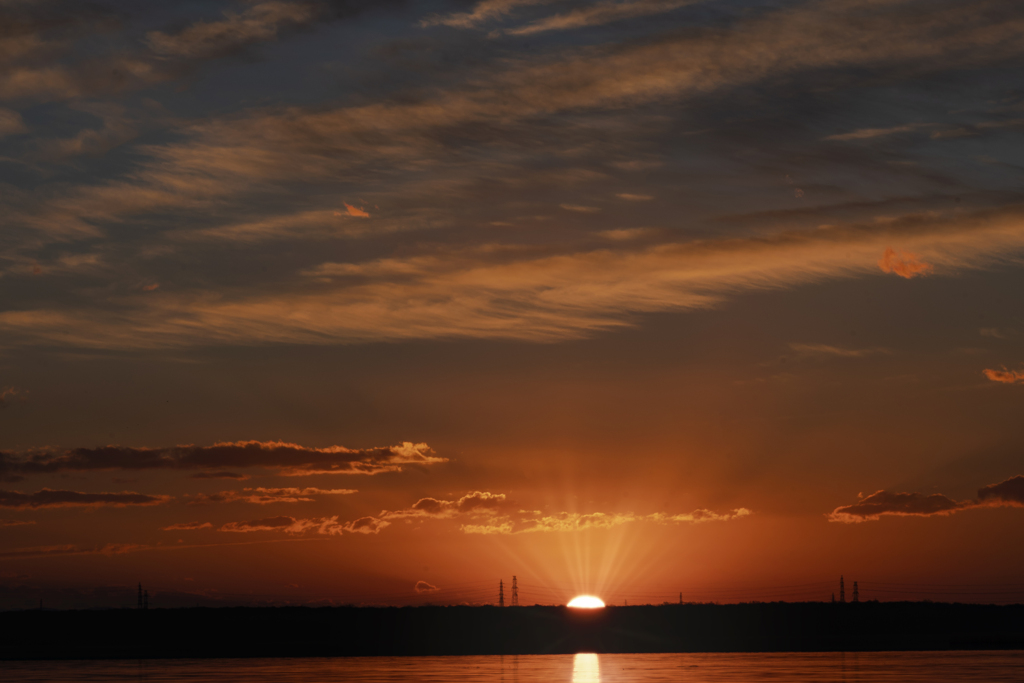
<point>501,593</point>
<point>842,590</point>
<point>856,595</point>
<point>145,599</point>
<point>140,596</point>
<point>680,598</point>
<point>833,597</point>
<point>515,593</point>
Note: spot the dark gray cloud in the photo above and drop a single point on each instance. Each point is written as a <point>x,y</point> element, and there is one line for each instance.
<point>187,526</point>
<point>881,503</point>
<point>265,496</point>
<point>885,503</point>
<point>218,475</point>
<point>49,498</point>
<point>1010,491</point>
<point>287,458</point>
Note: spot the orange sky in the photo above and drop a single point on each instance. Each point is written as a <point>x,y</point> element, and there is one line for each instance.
<point>386,303</point>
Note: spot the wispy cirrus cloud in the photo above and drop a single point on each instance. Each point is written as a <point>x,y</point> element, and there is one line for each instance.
<point>511,293</point>
<point>837,351</point>
<point>873,133</point>
<point>288,459</point>
<point>597,14</point>
<point>259,22</point>
<point>50,498</point>
<point>483,12</point>
<point>1009,493</point>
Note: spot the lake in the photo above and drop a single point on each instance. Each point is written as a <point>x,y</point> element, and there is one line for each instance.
<point>831,667</point>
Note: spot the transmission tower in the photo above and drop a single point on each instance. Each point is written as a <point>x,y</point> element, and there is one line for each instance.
<point>856,594</point>
<point>501,593</point>
<point>515,593</point>
<point>140,596</point>
<point>842,590</point>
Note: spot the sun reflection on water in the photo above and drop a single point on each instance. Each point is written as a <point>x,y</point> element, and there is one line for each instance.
<point>586,668</point>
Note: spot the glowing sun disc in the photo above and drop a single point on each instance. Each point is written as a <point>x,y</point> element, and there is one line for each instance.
<point>586,602</point>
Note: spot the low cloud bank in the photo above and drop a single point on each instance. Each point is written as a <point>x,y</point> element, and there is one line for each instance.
<point>484,513</point>
<point>50,498</point>
<point>288,459</point>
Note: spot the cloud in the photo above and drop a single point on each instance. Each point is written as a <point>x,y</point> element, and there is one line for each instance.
<point>881,503</point>
<point>872,133</point>
<point>599,13</point>
<point>573,521</point>
<point>214,172</point>
<point>627,234</point>
<point>265,496</point>
<point>580,209</point>
<point>992,332</point>
<point>6,394</point>
<point>1009,493</point>
<point>353,211</point>
<point>218,475</point>
<point>261,22</point>
<point>826,350</point>
<point>49,498</point>
<point>634,197</point>
<point>477,502</point>
<point>1005,376</point>
<point>367,525</point>
<point>11,123</point>
<point>116,130</point>
<point>492,513</point>
<point>482,12</point>
<point>15,522</point>
<point>57,550</point>
<point>504,291</point>
<point>905,265</point>
<point>328,526</point>
<point>288,459</point>
<point>187,526</point>
<point>424,587</point>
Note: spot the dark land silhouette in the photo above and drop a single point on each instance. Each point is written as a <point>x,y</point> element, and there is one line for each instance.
<point>362,631</point>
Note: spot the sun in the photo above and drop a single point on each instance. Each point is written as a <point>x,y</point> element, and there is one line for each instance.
<point>586,602</point>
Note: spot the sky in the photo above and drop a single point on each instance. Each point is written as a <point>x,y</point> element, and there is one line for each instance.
<point>382,302</point>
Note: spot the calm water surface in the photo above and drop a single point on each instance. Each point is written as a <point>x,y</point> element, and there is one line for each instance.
<point>872,667</point>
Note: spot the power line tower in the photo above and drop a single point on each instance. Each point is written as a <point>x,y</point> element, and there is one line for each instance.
<point>856,594</point>
<point>515,593</point>
<point>140,595</point>
<point>501,593</point>
<point>842,590</point>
